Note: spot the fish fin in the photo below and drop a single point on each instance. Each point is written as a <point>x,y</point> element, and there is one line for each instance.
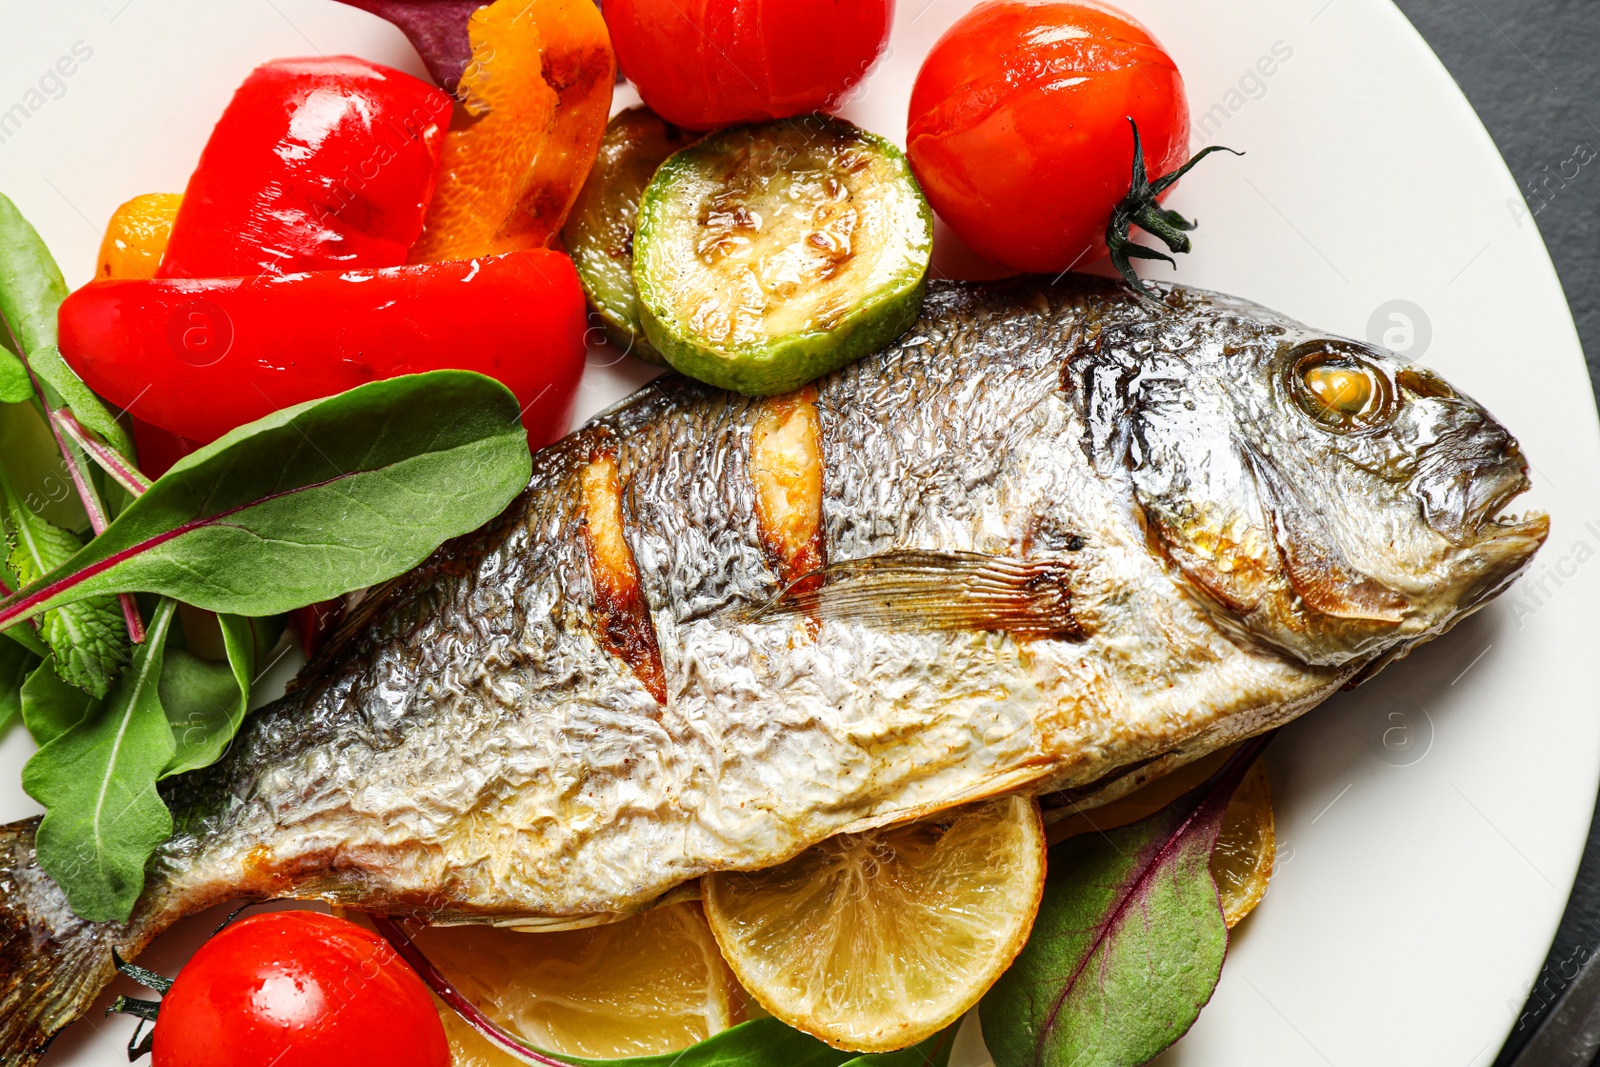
<point>52,964</point>
<point>922,590</point>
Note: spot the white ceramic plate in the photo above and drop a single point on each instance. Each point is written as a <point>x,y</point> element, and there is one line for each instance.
<point>1429,823</point>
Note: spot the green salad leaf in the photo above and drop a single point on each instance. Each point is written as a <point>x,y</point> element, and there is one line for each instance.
<point>759,1041</point>
<point>767,1042</point>
<point>31,285</point>
<point>31,292</point>
<point>88,637</point>
<point>1128,944</point>
<point>308,503</point>
<point>16,663</point>
<point>14,384</point>
<point>97,782</point>
<point>50,706</point>
<point>205,702</point>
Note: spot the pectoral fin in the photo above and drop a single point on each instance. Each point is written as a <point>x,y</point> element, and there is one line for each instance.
<point>921,590</point>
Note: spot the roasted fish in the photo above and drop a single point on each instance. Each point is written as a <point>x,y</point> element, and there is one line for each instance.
<point>1057,539</point>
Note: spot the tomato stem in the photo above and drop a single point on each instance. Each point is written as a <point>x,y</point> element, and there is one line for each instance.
<point>146,1011</point>
<point>1142,208</point>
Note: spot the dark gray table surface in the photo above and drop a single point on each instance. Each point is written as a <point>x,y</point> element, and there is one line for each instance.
<point>1532,70</point>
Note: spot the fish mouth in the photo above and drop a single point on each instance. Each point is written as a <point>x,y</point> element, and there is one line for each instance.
<point>1491,522</point>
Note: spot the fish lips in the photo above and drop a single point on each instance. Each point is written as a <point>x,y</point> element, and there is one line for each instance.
<point>1464,497</point>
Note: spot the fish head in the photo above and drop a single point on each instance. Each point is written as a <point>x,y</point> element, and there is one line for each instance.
<point>1324,496</point>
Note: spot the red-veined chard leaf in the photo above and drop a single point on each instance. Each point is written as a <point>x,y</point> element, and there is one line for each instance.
<point>1128,944</point>
<point>763,1042</point>
<point>437,29</point>
<point>96,778</point>
<point>308,503</point>
<point>87,637</point>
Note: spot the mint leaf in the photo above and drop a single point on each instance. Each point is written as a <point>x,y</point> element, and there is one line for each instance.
<point>205,702</point>
<point>87,637</point>
<point>31,292</point>
<point>16,663</point>
<point>309,503</point>
<point>97,782</point>
<point>1128,944</point>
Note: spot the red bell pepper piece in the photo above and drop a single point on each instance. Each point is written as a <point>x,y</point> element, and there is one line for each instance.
<point>159,449</point>
<point>317,164</point>
<point>200,357</point>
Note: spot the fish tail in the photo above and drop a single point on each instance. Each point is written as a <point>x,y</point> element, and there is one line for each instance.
<point>52,964</point>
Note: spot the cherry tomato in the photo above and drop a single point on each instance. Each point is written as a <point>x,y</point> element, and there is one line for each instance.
<point>716,62</point>
<point>1019,130</point>
<point>301,988</point>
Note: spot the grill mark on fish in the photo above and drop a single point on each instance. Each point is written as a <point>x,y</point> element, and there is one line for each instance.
<point>786,472</point>
<point>626,629</point>
<point>932,591</point>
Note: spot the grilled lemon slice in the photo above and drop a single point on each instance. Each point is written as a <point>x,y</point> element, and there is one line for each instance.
<point>1242,862</point>
<point>874,941</point>
<point>650,984</point>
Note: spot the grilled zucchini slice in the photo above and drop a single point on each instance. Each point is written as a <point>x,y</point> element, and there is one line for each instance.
<point>599,232</point>
<point>768,255</point>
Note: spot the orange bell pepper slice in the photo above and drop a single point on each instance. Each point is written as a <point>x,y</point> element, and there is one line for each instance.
<point>136,237</point>
<point>532,107</point>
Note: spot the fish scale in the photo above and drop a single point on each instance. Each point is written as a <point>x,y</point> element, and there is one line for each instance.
<point>470,747</point>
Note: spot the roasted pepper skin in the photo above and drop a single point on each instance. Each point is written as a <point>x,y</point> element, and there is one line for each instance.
<point>199,357</point>
<point>317,164</point>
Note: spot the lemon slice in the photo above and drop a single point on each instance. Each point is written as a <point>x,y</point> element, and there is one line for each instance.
<point>1241,863</point>
<point>874,941</point>
<point>650,984</point>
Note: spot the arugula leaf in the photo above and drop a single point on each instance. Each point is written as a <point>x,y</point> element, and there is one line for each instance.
<point>97,782</point>
<point>206,702</point>
<point>16,663</point>
<point>31,292</point>
<point>309,503</point>
<point>1128,944</point>
<point>87,637</point>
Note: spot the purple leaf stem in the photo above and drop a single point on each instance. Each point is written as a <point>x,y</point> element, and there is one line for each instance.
<point>111,461</point>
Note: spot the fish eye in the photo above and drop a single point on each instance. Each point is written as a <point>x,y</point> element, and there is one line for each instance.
<point>1339,389</point>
